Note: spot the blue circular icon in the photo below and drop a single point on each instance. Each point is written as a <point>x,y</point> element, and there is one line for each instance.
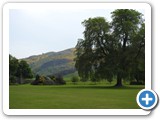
<point>147,99</point>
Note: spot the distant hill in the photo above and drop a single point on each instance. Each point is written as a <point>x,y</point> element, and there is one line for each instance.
<point>53,62</point>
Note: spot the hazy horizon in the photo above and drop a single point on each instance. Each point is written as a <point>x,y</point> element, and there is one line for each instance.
<point>34,32</point>
<point>42,53</point>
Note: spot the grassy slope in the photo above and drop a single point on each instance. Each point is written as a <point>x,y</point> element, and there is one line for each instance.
<point>39,64</point>
<point>73,96</point>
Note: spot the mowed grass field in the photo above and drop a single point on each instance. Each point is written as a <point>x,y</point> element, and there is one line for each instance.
<point>73,97</point>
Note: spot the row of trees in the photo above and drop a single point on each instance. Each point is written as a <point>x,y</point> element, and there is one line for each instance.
<point>115,48</point>
<point>18,70</point>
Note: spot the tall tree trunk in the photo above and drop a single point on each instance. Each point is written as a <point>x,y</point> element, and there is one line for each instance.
<point>122,61</point>
<point>119,81</point>
<point>20,79</point>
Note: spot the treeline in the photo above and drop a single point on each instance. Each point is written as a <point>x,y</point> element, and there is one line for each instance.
<point>19,70</point>
<point>20,73</point>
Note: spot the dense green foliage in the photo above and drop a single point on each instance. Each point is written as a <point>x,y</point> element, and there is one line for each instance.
<point>18,70</point>
<point>112,49</point>
<point>51,80</point>
<point>73,97</point>
<point>75,79</point>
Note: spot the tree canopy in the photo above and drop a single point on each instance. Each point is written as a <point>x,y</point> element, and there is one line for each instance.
<point>18,70</point>
<point>112,49</point>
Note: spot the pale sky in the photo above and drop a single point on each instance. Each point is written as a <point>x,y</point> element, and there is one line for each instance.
<point>33,32</point>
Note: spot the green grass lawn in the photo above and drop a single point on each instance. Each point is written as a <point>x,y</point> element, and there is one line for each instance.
<point>73,97</point>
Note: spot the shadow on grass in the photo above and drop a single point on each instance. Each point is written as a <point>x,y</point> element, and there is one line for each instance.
<point>100,87</point>
<point>85,86</point>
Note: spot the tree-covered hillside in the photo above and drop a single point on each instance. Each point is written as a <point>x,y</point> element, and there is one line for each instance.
<point>53,62</point>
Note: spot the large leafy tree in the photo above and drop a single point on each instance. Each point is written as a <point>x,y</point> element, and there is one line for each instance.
<point>138,55</point>
<point>112,49</point>
<point>92,50</point>
<point>23,71</point>
<point>126,25</point>
<point>18,70</point>
<point>13,66</point>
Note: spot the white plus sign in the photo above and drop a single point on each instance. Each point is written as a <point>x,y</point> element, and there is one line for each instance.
<point>147,99</point>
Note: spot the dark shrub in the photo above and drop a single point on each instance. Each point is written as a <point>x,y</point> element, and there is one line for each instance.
<point>59,80</point>
<point>28,81</point>
<point>12,80</point>
<point>48,78</point>
<point>37,77</point>
<point>48,82</point>
<point>75,79</point>
<point>42,80</point>
<point>52,77</point>
<point>35,82</point>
